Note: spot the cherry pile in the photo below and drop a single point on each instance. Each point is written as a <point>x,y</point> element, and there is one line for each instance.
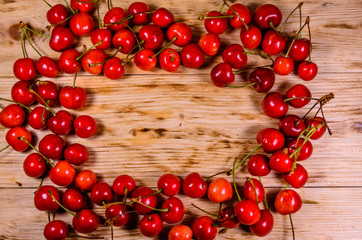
<point>284,148</point>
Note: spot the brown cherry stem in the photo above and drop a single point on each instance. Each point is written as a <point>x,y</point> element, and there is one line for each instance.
<point>168,44</point>
<point>290,99</point>
<point>258,54</point>
<point>237,14</point>
<point>3,149</point>
<point>60,205</point>
<point>202,210</point>
<point>310,44</point>
<point>84,52</point>
<point>290,14</point>
<point>8,100</point>
<point>295,37</point>
<point>256,194</point>
<point>216,174</point>
<point>291,223</point>
<point>31,145</point>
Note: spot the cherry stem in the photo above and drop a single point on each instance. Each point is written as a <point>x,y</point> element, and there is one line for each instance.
<point>40,184</point>
<point>22,43</point>
<point>71,9</point>
<point>35,32</point>
<point>27,38</point>
<point>168,44</point>
<point>247,85</point>
<point>290,99</point>
<point>107,205</point>
<point>49,5</point>
<point>232,216</point>
<point>93,1</point>
<point>152,208</point>
<point>60,205</point>
<point>42,116</point>
<point>234,182</point>
<point>256,194</point>
<point>99,16</point>
<point>49,217</point>
<point>95,45</point>
<point>247,156</point>
<point>286,186</point>
<point>216,174</point>
<point>300,22</point>
<point>291,223</point>
<point>310,44</point>
<point>95,64</point>
<point>202,17</point>
<point>275,30</point>
<point>9,100</point>
<point>257,54</point>
<point>64,20</point>
<point>75,76</point>
<point>126,18</point>
<point>329,130</point>
<point>31,145</point>
<point>112,230</point>
<point>290,14</point>
<point>5,148</point>
<point>2,107</point>
<point>202,210</point>
<point>45,102</point>
<point>109,4</point>
<point>218,213</point>
<point>125,195</point>
<point>151,194</point>
<point>245,70</point>
<point>222,7</point>
<point>237,14</point>
<point>295,37</point>
<point>322,101</point>
<point>86,237</point>
<point>265,199</point>
<point>134,34</point>
<point>129,59</point>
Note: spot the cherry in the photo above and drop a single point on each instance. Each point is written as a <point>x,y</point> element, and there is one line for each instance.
<point>250,192</point>
<point>162,18</point>
<point>84,6</point>
<point>175,210</point>
<point>101,193</point>
<point>274,105</point>
<point>61,123</point>
<point>204,228</point>
<point>280,162</point>
<point>305,151</point>
<point>61,39</point>
<point>266,13</point>
<point>56,230</point>
<point>180,232</point>
<point>118,214</point>
<point>180,33</point>
<point>76,154</point>
<point>210,44</point>
<point>38,118</point>
<point>247,212</point>
<point>34,165</point>
<point>251,37</point>
<point>144,195</point>
<point>85,126</point>
<point>265,224</point>
<point>62,174</point>
<point>81,24</point>
<point>215,25</point>
<point>68,62</point>
<point>291,125</point>
<point>124,40</point>
<point>170,184</point>
<point>258,165</point>
<point>192,56</point>
<point>152,36</point>
<point>287,202</point>
<point>145,60</point>
<point>85,180</point>
<point>227,218</point>
<point>122,184</point>
<point>57,15</point>
<point>151,225</point>
<point>14,138</point>
<point>298,178</point>
<point>93,61</point>
<point>139,12</point>
<point>243,13</point>
<point>307,70</point>
<point>47,91</point>
<point>43,201</point>
<point>12,116</point>
<point>320,124</point>
<point>73,199</point>
<point>115,19</point>
<point>86,221</point>
<point>264,79</point>
<point>222,75</point>
<point>113,68</point>
<point>72,97</point>
<point>270,139</point>
<point>273,42</point>
<point>20,93</point>
<point>24,69</point>
<point>300,50</point>
<point>47,67</point>
<point>235,56</point>
<point>219,190</point>
<point>283,65</point>
<point>169,60</point>
<point>194,185</point>
<point>52,146</point>
<point>102,35</point>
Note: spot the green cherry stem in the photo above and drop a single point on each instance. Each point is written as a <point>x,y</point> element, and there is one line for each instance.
<point>109,4</point>
<point>222,7</point>
<point>242,86</point>
<point>291,223</point>
<point>218,213</point>
<point>247,156</point>
<point>245,70</point>
<point>290,99</point>
<point>64,20</point>
<point>237,14</point>
<point>71,9</point>
<point>27,38</point>
<point>45,102</point>
<point>256,194</point>
<point>274,28</point>
<point>202,17</point>
<point>95,45</point>
<point>31,145</point>
<point>290,14</point>
<point>40,185</point>
<point>310,43</point>
<point>3,149</point>
<point>49,217</point>
<point>168,44</point>
<point>258,54</point>
<point>99,16</point>
<point>8,100</point>
<point>300,21</point>
<point>60,205</point>
<point>202,210</point>
<point>22,43</point>
<point>286,186</point>
<point>295,37</point>
<point>265,199</point>
<point>152,208</point>
<point>234,182</point>
<point>49,5</point>
<point>127,59</point>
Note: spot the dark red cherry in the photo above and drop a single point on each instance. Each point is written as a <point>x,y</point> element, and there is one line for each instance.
<point>266,13</point>
<point>300,50</point>
<point>251,191</point>
<point>307,70</point>
<point>102,35</point>
<point>247,212</point>
<point>124,40</point>
<point>61,39</point>
<point>38,118</point>
<point>55,230</point>
<point>181,32</point>
<point>84,6</point>
<point>152,36</point>
<point>76,154</point>
<point>85,126</point>
<point>72,97</point>
<point>146,196</point>
<point>258,165</point>
<point>194,185</point>
<point>57,14</point>
<point>264,79</point>
<point>227,218</point>
<point>61,123</point>
<point>113,68</point>
<point>68,62</point>
<point>170,184</point>
<point>291,125</point>
<point>114,19</point>
<point>222,75</point>
<point>43,200</point>
<point>305,151</point>
<point>101,193</point>
<point>250,38</point>
<point>73,199</point>
<point>162,18</point>
<point>13,138</point>
<point>52,146</point>
<point>47,67</point>
<point>192,56</point>
<point>204,228</point>
<point>215,25</point>
<point>273,43</point>
<point>301,93</point>
<point>320,124</point>
<point>34,165</point>
<point>271,140</point>
<point>86,221</point>
<point>139,12</point>
<point>298,178</point>
<point>280,162</point>
<point>265,224</point>
<point>175,210</point>
<point>242,11</point>
<point>118,213</point>
<point>48,92</point>
<point>151,225</point>
<point>274,105</point>
<point>145,59</point>
<point>82,24</point>
<point>122,184</point>
<point>169,60</point>
<point>234,55</point>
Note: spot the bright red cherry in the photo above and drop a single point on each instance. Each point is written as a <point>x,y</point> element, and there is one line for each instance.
<point>38,118</point>
<point>307,70</point>
<point>24,69</point>
<point>258,165</point>
<point>181,32</point>
<point>215,25</point>
<point>68,62</point>
<point>274,105</point>
<point>283,65</point>
<point>169,60</point>
<point>57,14</point>
<point>320,124</point>
<point>101,193</point>
<point>122,184</point>
<point>93,61</point>
<point>170,184</point>
<point>266,13</point>
<point>234,55</point>
<point>247,212</point>
<point>86,221</point>
<point>113,68</point>
<point>194,185</point>
<point>139,12</point>
<point>242,11</point>
<point>34,165</point>
<point>264,79</point>
<point>250,192</point>
<point>62,174</point>
<point>175,210</point>
<point>250,38</point>
<point>72,97</point>
<point>273,43</point>
<point>61,39</point>
<point>56,230</point>
<point>84,6</point>
<point>192,56</point>
<point>104,35</point>
<point>180,232</point>
<point>61,123</point>
<point>210,44</point>
<point>140,194</point>
<point>204,228</point>
<point>271,139</point>
<point>222,75</point>
<point>265,224</point>
<point>73,199</point>
<point>43,201</point>
<point>287,202</point>
<point>76,154</point>
<point>114,19</point>
<point>85,180</point>
<point>47,67</point>
<point>118,214</point>
<point>85,126</point>
<point>301,93</point>
<point>298,178</point>
<point>305,151</point>
<point>300,50</point>
<point>20,93</point>
<point>151,225</point>
<point>82,24</point>
<point>48,92</point>
<point>13,138</point>
<point>145,60</point>
<point>152,36</point>
<point>280,162</point>
<point>162,18</point>
<point>52,146</point>
<point>12,116</point>
<point>124,40</point>
<point>291,125</point>
<point>227,218</point>
<point>219,190</point>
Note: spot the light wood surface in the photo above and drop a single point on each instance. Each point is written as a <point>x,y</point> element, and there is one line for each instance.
<point>154,122</point>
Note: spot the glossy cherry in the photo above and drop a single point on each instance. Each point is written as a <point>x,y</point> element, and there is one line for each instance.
<point>76,154</point>
<point>247,212</point>
<point>180,232</point>
<point>55,230</point>
<point>104,35</point>
<point>151,201</point>
<point>251,193</point>
<point>210,44</point>
<point>305,151</point>
<point>43,201</point>
<point>192,56</point>
<point>222,75</point>
<point>151,225</point>
<point>175,210</point>
<point>274,105</point>
<point>215,25</point>
<point>220,190</point>
<point>34,165</point>
<point>298,178</point>
<point>291,125</point>
<point>170,184</point>
<point>57,14</point>
<point>61,39</point>
<point>85,180</point>
<point>38,118</point>
<point>93,61</point>
<point>124,40</point>
<point>12,116</point>
<point>266,13</point>
<point>300,50</point>
<point>139,12</point>
<point>145,60</point>
<point>258,165</point>
<point>283,65</point>
<point>162,17</point>
<point>320,124</point>
<point>52,146</point>
<point>227,218</point>
<point>194,185</point>
<point>81,24</point>
<point>24,69</point>
<point>113,68</point>
<point>20,93</point>
<point>234,55</point>
<point>73,199</point>
<point>307,70</point>
<point>271,139</point>
<point>301,93</point>
<point>123,182</point>
<point>101,193</point>
<point>68,62</point>
<point>13,138</point>
<point>242,11</point>
<point>86,221</point>
<point>62,174</point>
<point>48,92</point>
<point>61,123</point>
<point>47,67</point>
<point>181,32</point>
<point>273,43</point>
<point>204,228</point>
<point>118,213</point>
<point>264,79</point>
<point>251,37</point>
<point>169,60</point>
<point>152,36</point>
<point>84,6</point>
<point>84,126</point>
<point>287,202</point>
<point>280,162</point>
<point>114,19</point>
<point>72,97</point>
<point>265,224</point>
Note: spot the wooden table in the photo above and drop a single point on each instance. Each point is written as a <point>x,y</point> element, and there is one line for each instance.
<point>154,122</point>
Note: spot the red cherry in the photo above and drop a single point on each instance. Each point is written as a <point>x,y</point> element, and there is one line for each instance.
<point>247,212</point>
<point>101,193</point>
<point>300,92</point>
<point>96,57</point>
<point>265,224</point>
<point>113,68</point>
<point>84,6</point>
<point>242,11</point>
<point>194,185</point>
<point>320,124</point>
<point>86,221</point>
<point>210,44</point>
<point>62,174</point>
<point>38,118</point>
<point>215,25</point>
<point>266,13</point>
<point>43,201</point>
<point>264,79</point>
<point>152,36</point>
<point>222,75</point>
<point>227,218</point>
<point>304,153</point>
<point>273,43</point>
<point>280,162</point>
<point>76,154</point>
<point>61,123</point>
<point>291,125</point>
<point>307,70</point>
<point>123,182</point>
<point>180,232</point>
<point>85,180</point>
<point>169,60</point>
<point>138,11</point>
<point>204,228</point>
<point>82,24</point>
<point>61,39</point>
<point>73,199</point>
<point>274,105</point>
<point>162,18</point>
<point>251,38</point>
<point>47,67</point>
<point>170,184</point>
<point>13,138</point>
<point>118,213</point>
<point>144,60</point>
<point>56,230</point>
<point>192,56</point>
<point>20,93</point>
<point>57,14</point>
<point>287,202</point>
<point>124,40</point>
<point>12,116</point>
<point>283,65</point>
<point>101,34</point>
<point>235,56</point>
<point>175,210</point>
<point>151,225</point>
<point>48,92</point>
<point>68,62</point>
<point>85,126</point>
<point>300,50</point>
<point>251,193</point>
<point>298,178</point>
<point>24,69</point>
<point>181,32</point>
<point>34,165</point>
<point>151,201</point>
<point>113,19</point>
<point>52,146</point>
<point>219,190</point>
<point>258,165</point>
<point>72,97</point>
<point>271,140</point>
